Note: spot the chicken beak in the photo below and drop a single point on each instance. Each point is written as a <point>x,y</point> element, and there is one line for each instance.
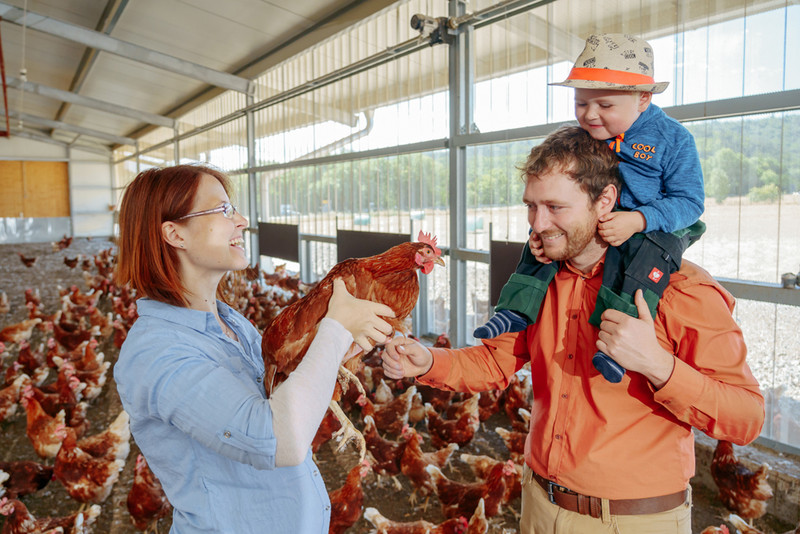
<point>439,261</point>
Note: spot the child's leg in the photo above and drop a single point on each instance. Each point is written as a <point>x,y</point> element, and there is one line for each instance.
<point>520,298</point>
<point>644,262</point>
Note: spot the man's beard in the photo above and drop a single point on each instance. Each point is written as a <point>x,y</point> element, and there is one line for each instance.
<point>577,239</point>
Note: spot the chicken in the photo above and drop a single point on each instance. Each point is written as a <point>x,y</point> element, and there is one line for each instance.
<point>16,333</point>
<point>384,453</point>
<point>741,525</point>
<point>347,501</point>
<point>489,403</point>
<point>414,461</point>
<point>146,501</point>
<point>443,341</point>
<point>440,399</point>
<point>460,430</point>
<point>461,499</point>
<point>482,465</point>
<point>63,243</point>
<point>41,428</point>
<point>722,529</point>
<point>10,396</point>
<point>72,262</point>
<point>20,521</point>
<point>5,307</point>
<point>392,416</point>
<point>385,525</point>
<point>741,490</point>
<point>389,278</point>
<point>87,478</point>
<point>113,442</point>
<point>515,443</point>
<point>25,477</point>
<point>28,261</point>
<point>517,395</point>
<point>30,359</point>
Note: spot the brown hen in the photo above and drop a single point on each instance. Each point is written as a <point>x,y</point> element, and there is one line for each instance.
<point>741,490</point>
<point>389,278</point>
<point>146,501</point>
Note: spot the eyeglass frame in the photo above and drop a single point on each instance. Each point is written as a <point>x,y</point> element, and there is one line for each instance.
<point>219,209</point>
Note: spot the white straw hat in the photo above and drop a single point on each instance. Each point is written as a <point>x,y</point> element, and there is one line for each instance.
<point>614,61</point>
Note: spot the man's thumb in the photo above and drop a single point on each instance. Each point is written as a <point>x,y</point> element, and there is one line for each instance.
<point>641,305</point>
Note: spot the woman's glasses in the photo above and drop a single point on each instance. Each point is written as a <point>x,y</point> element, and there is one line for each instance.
<point>227,209</point>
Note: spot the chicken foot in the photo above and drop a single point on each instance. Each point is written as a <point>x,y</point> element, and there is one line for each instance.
<point>346,377</point>
<point>348,432</point>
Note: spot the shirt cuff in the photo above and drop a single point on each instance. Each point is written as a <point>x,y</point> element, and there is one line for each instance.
<point>440,370</point>
<point>683,389</point>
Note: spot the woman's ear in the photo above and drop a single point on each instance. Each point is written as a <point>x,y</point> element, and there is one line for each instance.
<point>171,233</point>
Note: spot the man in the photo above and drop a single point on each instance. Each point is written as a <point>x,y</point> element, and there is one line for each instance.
<point>604,457</point>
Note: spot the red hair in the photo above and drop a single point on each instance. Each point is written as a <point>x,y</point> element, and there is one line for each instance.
<point>144,259</point>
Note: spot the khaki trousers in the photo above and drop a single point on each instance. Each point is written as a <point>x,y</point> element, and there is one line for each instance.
<point>540,516</point>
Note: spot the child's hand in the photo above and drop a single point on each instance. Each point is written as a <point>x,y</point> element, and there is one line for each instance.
<point>618,226</point>
<point>535,244</point>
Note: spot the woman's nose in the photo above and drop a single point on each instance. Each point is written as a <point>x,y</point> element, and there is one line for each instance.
<point>241,220</point>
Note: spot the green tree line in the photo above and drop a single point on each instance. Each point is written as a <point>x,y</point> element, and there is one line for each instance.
<point>757,157</point>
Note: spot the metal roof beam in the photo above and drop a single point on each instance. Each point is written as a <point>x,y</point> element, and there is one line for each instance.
<point>101,41</point>
<point>58,125</point>
<point>108,20</point>
<point>73,98</point>
<point>43,138</point>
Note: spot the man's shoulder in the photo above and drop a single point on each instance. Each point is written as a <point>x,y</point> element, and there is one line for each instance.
<point>691,278</point>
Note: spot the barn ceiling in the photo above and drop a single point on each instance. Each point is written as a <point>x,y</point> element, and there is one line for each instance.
<point>92,72</point>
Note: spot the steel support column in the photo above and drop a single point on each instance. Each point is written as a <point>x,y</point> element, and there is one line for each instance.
<point>460,74</point>
<point>252,184</point>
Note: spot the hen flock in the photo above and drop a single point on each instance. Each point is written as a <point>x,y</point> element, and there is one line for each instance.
<point>456,457</point>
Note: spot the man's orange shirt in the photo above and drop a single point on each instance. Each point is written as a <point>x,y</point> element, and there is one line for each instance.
<point>625,440</point>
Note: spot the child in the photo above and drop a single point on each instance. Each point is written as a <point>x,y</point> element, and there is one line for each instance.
<point>659,204</point>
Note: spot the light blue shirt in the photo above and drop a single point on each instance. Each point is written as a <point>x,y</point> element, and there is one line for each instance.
<point>200,416</point>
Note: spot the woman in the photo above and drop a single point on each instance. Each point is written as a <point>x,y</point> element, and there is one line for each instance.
<point>190,372</point>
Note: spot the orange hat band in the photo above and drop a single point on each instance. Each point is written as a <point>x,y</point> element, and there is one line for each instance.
<point>607,75</point>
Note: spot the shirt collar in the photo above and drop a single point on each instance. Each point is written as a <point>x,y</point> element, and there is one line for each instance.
<point>596,270</point>
<point>195,319</point>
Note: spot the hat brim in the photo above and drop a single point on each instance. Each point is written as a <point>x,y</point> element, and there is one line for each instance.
<point>658,87</point>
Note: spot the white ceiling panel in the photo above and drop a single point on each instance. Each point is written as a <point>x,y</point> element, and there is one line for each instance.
<point>223,36</point>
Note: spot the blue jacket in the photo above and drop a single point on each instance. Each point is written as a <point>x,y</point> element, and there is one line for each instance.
<point>661,171</point>
<point>200,416</point>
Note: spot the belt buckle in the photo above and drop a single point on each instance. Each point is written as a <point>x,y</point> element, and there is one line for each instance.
<point>550,486</point>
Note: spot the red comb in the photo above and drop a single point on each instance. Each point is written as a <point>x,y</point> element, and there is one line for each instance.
<point>429,240</point>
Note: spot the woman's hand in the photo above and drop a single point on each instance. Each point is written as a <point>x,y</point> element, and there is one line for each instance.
<point>406,357</point>
<point>359,317</point>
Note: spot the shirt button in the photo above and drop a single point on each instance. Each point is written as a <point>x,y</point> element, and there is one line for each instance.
<point>316,473</point>
<point>564,395</point>
<point>258,379</point>
<point>327,507</point>
<point>570,356</point>
<point>227,434</point>
<point>558,436</point>
<point>574,315</point>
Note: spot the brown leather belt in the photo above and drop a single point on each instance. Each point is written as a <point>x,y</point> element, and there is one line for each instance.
<point>583,504</point>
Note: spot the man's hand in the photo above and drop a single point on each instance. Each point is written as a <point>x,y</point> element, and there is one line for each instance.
<point>535,244</point>
<point>633,344</point>
<point>618,226</point>
<point>406,357</point>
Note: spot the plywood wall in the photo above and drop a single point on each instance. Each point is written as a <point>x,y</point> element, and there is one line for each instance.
<point>34,189</point>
